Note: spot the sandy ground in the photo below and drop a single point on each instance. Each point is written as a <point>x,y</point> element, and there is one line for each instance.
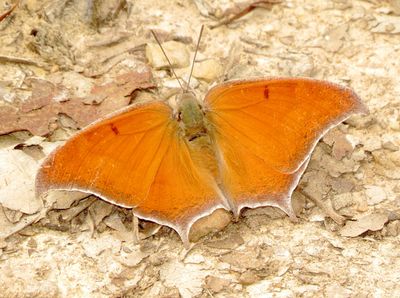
<point>86,248</point>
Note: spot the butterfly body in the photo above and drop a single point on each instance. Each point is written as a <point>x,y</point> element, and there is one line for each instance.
<point>198,136</point>
<point>245,145</point>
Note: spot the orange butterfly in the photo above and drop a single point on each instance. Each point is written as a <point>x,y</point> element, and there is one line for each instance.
<point>246,145</point>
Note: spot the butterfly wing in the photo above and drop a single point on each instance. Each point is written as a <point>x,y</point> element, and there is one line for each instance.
<point>135,159</point>
<point>265,131</point>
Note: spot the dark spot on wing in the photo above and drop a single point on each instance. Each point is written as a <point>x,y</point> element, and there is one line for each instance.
<point>114,128</point>
<point>266,92</point>
<point>192,138</point>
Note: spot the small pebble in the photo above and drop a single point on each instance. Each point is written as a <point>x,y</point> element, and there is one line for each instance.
<point>177,53</point>
<point>208,70</point>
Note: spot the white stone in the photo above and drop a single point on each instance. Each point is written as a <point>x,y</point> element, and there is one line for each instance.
<point>17,181</point>
<point>177,53</point>
<point>375,194</point>
<point>208,70</point>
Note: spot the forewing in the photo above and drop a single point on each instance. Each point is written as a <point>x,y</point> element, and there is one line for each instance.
<point>135,159</point>
<point>266,130</point>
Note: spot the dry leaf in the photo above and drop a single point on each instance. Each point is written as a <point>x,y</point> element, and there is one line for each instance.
<point>74,211</point>
<point>231,242</point>
<point>216,284</point>
<point>99,210</point>
<point>249,260</point>
<point>370,222</point>
<point>94,247</point>
<point>17,179</point>
<point>132,259</point>
<point>7,228</point>
<point>114,222</point>
<point>39,113</point>
<point>64,199</point>
<point>343,147</point>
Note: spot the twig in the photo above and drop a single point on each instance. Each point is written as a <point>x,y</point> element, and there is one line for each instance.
<point>325,206</point>
<point>253,42</point>
<point>12,59</point>
<point>117,52</point>
<point>232,60</point>
<point>24,222</point>
<point>135,227</point>
<point>8,12</point>
<point>114,39</point>
<point>110,60</point>
<point>104,67</point>
<point>203,7</point>
<point>74,211</point>
<point>240,12</point>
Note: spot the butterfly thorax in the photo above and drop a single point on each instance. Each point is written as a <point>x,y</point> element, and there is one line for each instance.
<point>191,116</point>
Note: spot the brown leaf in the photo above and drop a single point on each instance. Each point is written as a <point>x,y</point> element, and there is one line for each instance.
<point>40,112</point>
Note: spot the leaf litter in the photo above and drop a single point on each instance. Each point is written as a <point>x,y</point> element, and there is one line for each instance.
<point>40,112</point>
<point>371,222</point>
<point>353,172</point>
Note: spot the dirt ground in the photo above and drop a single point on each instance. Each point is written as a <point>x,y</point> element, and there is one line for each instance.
<point>73,247</point>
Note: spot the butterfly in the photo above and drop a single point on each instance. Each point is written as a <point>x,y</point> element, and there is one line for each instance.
<point>245,145</point>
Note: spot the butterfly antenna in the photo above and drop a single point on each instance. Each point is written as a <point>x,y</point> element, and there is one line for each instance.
<point>194,58</point>
<point>165,54</point>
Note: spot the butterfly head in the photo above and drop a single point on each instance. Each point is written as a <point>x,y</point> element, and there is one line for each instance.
<point>191,115</point>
